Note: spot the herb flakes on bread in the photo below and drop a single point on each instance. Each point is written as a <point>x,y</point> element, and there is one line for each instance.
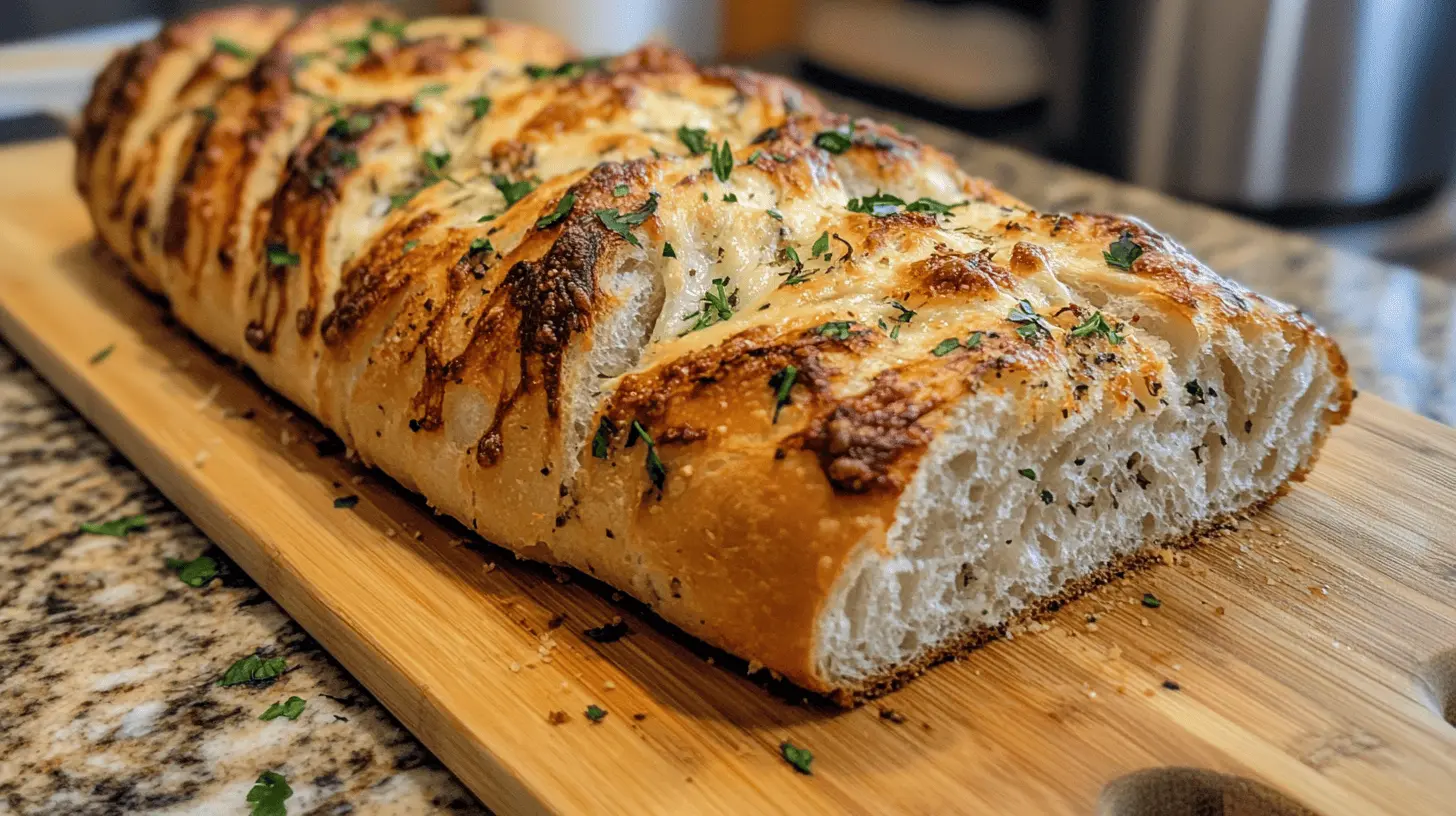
<point>794,380</point>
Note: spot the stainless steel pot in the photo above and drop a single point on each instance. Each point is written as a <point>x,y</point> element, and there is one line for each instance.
<point>1302,110</point>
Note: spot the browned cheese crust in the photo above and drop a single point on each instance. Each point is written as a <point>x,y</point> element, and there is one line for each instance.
<point>401,228</point>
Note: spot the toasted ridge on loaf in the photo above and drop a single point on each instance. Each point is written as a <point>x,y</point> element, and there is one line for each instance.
<point>795,381</point>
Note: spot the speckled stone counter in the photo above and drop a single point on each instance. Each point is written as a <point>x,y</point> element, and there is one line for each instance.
<point>109,702</point>
<point>108,695</point>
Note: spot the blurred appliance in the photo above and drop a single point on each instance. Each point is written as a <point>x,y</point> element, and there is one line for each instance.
<point>599,27</point>
<point>1296,111</point>
<point>981,65</point>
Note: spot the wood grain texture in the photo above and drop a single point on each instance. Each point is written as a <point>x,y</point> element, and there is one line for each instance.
<point>1295,641</point>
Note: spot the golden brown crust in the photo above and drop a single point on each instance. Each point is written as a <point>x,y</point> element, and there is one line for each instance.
<point>528,288</point>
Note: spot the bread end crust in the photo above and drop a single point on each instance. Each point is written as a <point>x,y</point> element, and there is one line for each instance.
<point>974,638</point>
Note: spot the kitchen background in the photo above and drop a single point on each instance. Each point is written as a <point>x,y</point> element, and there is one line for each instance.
<point>1333,117</point>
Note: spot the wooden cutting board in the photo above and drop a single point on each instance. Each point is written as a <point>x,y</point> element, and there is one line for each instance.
<point>1282,665</point>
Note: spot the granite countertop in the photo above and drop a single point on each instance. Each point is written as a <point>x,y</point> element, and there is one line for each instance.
<point>108,694</point>
<point>109,702</point>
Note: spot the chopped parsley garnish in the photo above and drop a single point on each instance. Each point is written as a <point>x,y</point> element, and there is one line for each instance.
<point>620,190</point>
<point>800,758</point>
<point>622,223</point>
<point>595,713</point>
<point>379,25</point>
<point>731,198</point>
<point>602,441</point>
<point>434,89</point>
<point>290,708</point>
<point>408,245</point>
<point>668,251</point>
<point>881,204</point>
<point>946,346</point>
<point>782,383</point>
<point>566,69</point>
<point>878,205</point>
<point>1047,497</point>
<point>232,49</point>
<point>835,329</point>
<point>1028,473</point>
<point>355,50</point>
<point>102,354</point>
<point>485,218</point>
<point>350,126</point>
<point>346,502</point>
<point>195,573</point>
<point>278,255</point>
<point>821,245</point>
<point>780,158</point>
<point>253,669</point>
<point>905,314</point>
<point>835,141</point>
<point>695,139</point>
<point>656,470</point>
<point>399,200</point>
<point>716,306</point>
<point>479,106</point>
<point>580,67</point>
<point>435,164</point>
<point>796,276</point>
<point>775,215</point>
<point>1195,392</point>
<point>949,344</point>
<point>1122,252</point>
<point>755,156</point>
<point>116,527</point>
<point>268,795</point>
<point>930,205</point>
<point>513,190</point>
<point>1097,324</point>
<point>1031,323</point>
<point>722,161</point>
<point>208,112</point>
<point>1151,601</point>
<point>480,245</point>
<point>562,208</point>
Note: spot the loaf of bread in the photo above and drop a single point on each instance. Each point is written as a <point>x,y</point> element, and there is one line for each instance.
<point>793,380</point>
